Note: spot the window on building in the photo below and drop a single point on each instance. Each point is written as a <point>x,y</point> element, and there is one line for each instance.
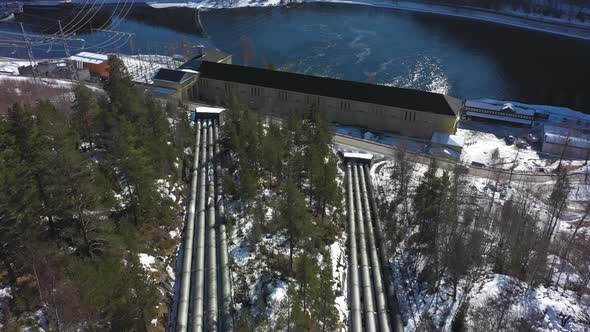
<point>345,105</point>
<point>283,95</point>
<point>410,116</point>
<point>312,100</point>
<point>228,87</point>
<point>255,92</point>
<point>204,83</point>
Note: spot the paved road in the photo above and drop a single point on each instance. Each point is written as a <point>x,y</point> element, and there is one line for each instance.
<point>388,151</point>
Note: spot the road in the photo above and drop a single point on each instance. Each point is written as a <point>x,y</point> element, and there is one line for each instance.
<point>388,151</point>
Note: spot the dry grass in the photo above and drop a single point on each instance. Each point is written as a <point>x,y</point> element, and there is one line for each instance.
<point>29,91</point>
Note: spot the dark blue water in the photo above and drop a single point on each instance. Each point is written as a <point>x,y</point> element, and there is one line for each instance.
<point>463,58</point>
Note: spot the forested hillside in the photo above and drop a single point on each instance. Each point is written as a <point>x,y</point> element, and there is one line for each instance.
<point>85,182</point>
<point>286,212</point>
<point>474,254</point>
<point>79,199</point>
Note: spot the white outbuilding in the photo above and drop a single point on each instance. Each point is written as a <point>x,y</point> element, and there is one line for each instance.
<point>568,142</point>
<point>446,145</point>
<point>506,113</point>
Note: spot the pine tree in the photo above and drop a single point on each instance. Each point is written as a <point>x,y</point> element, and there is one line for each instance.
<point>87,196</point>
<point>458,324</point>
<point>295,218</point>
<point>299,320</point>
<point>124,99</point>
<point>430,204</point>
<point>328,192</point>
<point>559,202</point>
<point>85,113</point>
<point>324,311</point>
<point>273,152</point>
<point>35,143</point>
<point>307,271</point>
<point>19,136</point>
<point>248,185</point>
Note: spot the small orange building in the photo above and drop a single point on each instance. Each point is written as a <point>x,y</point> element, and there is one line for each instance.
<point>97,64</point>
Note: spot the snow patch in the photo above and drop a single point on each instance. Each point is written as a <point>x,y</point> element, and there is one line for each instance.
<point>383,138</point>
<point>5,296</point>
<point>148,262</point>
<point>174,233</point>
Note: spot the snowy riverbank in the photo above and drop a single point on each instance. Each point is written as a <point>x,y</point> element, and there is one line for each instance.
<point>558,26</point>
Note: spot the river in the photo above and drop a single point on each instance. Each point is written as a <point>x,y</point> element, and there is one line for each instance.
<point>464,58</point>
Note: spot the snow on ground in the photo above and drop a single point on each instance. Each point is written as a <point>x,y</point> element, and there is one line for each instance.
<point>255,276</point>
<point>482,139</point>
<point>480,146</point>
<point>250,269</point>
<point>560,26</point>
<point>50,82</point>
<point>142,68</point>
<point>9,66</point>
<point>580,193</point>
<point>174,233</point>
<point>338,255</point>
<point>170,274</point>
<point>41,319</point>
<point>276,298</point>
<point>169,190</point>
<point>382,138</point>
<point>559,309</point>
<point>5,296</point>
<point>148,262</point>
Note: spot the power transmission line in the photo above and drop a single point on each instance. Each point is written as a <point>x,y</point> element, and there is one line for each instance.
<point>80,11</point>
<point>115,39</point>
<point>30,53</point>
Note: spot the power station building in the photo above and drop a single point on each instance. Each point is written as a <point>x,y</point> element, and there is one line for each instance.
<point>180,83</point>
<point>275,93</point>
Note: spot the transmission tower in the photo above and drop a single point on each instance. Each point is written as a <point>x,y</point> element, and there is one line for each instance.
<point>30,54</point>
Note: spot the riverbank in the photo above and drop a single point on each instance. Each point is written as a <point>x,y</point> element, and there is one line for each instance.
<point>521,20</point>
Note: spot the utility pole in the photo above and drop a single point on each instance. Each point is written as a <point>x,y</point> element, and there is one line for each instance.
<point>29,52</point>
<point>567,141</point>
<point>586,170</point>
<point>73,71</point>
<point>61,32</point>
<point>513,167</point>
<point>132,43</point>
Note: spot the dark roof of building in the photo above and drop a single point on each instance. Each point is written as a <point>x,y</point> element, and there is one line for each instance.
<point>209,54</point>
<point>213,55</point>
<point>172,75</point>
<point>363,92</point>
<point>192,64</point>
